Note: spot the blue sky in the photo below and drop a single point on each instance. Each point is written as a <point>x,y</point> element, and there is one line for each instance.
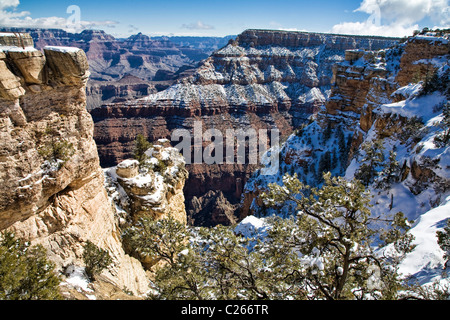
<point>220,18</point>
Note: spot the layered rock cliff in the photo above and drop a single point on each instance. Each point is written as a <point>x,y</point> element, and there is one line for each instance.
<point>389,102</point>
<point>52,186</point>
<point>386,124</point>
<point>113,61</point>
<point>262,80</point>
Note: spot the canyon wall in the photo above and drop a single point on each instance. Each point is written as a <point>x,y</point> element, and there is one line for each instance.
<point>52,186</point>
<point>152,63</point>
<point>388,102</point>
<point>261,80</point>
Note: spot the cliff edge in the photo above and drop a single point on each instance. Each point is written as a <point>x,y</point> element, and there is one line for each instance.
<point>52,186</point>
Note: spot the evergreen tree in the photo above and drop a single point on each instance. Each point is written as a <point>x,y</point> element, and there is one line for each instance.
<point>95,259</point>
<point>327,251</point>
<point>25,272</point>
<point>325,163</point>
<point>444,242</point>
<point>141,145</point>
<point>334,234</point>
<point>443,138</point>
<point>391,172</point>
<point>372,159</point>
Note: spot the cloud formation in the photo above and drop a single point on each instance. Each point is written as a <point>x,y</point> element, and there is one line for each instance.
<point>396,17</point>
<point>10,17</point>
<point>199,25</point>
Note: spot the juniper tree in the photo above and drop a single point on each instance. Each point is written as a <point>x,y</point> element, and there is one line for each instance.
<point>391,172</point>
<point>443,138</point>
<point>333,236</point>
<point>25,272</point>
<point>164,245</point>
<point>141,145</point>
<point>373,157</point>
<point>96,259</point>
<point>444,242</point>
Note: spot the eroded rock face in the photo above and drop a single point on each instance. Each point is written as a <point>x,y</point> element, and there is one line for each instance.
<point>262,80</point>
<point>375,98</point>
<point>152,188</point>
<point>51,189</point>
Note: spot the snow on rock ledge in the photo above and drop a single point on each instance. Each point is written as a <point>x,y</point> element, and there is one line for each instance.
<point>154,187</point>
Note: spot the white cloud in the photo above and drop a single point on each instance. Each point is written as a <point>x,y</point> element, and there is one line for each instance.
<point>396,17</point>
<point>369,29</point>
<point>199,25</point>
<point>10,17</point>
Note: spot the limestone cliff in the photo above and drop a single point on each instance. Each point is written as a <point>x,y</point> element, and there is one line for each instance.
<point>51,184</point>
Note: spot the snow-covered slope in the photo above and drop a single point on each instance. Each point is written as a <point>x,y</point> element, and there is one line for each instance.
<point>372,109</point>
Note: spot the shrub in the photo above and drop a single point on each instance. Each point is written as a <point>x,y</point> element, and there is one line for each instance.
<point>95,259</point>
<point>141,145</point>
<point>25,272</point>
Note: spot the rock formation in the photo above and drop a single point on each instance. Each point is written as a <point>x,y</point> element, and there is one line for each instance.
<point>262,80</point>
<point>52,186</point>
<point>151,188</point>
<point>378,97</point>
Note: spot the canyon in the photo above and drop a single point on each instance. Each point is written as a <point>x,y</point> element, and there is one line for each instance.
<point>262,80</point>
<point>69,175</point>
<point>52,192</point>
<point>128,68</point>
<point>383,124</point>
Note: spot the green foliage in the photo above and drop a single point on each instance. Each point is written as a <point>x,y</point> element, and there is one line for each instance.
<point>444,242</point>
<point>435,82</point>
<point>95,259</point>
<point>25,272</point>
<point>57,150</point>
<point>443,139</point>
<point>413,130</point>
<point>391,172</point>
<point>326,251</point>
<point>373,158</point>
<point>156,240</point>
<point>141,145</point>
<point>161,166</point>
<point>334,233</point>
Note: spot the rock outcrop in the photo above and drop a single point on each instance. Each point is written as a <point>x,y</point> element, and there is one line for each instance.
<point>262,80</point>
<point>52,186</point>
<point>152,64</point>
<point>151,188</point>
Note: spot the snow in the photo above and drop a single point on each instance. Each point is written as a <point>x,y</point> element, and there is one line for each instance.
<point>7,34</point>
<point>250,227</point>
<point>62,49</point>
<point>17,49</point>
<point>409,90</point>
<point>426,260</point>
<point>78,279</point>
<point>421,107</point>
<point>128,163</point>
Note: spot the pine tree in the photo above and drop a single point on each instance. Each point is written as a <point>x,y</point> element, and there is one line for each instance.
<point>95,259</point>
<point>373,158</point>
<point>443,138</point>
<point>391,172</point>
<point>25,272</point>
<point>141,145</point>
<point>334,234</point>
<point>444,242</point>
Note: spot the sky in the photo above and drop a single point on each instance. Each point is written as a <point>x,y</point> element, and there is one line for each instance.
<point>228,17</point>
